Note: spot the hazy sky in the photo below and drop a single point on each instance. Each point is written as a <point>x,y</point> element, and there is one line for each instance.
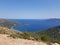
<point>29,9</point>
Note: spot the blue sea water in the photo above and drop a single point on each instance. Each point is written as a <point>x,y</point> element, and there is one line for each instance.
<point>33,25</point>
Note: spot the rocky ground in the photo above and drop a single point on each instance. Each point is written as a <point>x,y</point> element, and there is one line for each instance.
<point>6,40</point>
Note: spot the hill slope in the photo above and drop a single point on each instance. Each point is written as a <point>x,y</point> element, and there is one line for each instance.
<point>12,33</point>
<point>4,40</point>
<point>13,37</point>
<point>8,23</point>
<point>50,35</point>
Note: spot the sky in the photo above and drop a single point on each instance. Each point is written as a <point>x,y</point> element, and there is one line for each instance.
<point>29,9</point>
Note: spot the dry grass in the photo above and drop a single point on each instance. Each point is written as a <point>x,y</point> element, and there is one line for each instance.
<point>4,40</point>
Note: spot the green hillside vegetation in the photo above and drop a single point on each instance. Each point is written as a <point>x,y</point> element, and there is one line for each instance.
<point>8,23</point>
<point>15,33</point>
<point>49,35</point>
<point>5,30</point>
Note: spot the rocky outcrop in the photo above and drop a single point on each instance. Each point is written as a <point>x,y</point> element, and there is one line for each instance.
<point>54,44</point>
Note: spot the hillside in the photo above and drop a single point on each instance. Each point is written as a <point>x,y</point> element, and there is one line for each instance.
<point>15,33</point>
<point>49,35</point>
<point>5,40</point>
<point>8,23</point>
<point>13,37</point>
<point>12,33</point>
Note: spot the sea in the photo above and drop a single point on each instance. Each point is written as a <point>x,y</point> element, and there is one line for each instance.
<point>33,25</point>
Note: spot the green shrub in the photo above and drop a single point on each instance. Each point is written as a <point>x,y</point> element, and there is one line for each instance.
<point>26,35</point>
<point>45,38</point>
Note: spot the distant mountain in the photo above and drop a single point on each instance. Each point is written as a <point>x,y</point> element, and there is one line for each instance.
<point>8,23</point>
<point>54,19</point>
<point>51,34</point>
